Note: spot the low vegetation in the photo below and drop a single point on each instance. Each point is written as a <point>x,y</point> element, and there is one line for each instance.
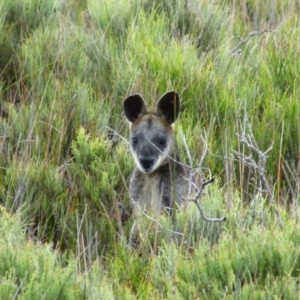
<point>65,68</point>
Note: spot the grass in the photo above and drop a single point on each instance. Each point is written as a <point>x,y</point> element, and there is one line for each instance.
<point>65,68</point>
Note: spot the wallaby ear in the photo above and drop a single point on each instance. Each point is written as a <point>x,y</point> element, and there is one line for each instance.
<point>168,107</point>
<point>134,107</point>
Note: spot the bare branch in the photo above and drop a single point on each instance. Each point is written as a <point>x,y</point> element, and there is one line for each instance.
<point>204,150</point>
<point>198,196</point>
<point>237,49</point>
<point>259,166</point>
<point>186,148</point>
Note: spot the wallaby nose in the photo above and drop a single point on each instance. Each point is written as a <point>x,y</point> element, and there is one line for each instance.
<point>147,163</point>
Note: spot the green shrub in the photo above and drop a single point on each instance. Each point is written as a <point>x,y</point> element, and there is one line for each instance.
<point>30,270</point>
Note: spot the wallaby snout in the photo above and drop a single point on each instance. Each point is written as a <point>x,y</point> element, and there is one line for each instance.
<point>147,163</point>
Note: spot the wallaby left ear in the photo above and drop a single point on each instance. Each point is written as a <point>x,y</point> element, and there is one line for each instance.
<point>168,107</point>
<point>134,107</point>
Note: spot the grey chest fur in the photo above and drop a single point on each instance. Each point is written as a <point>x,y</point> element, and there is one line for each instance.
<point>153,192</point>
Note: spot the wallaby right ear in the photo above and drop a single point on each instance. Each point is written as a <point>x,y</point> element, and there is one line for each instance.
<point>134,107</point>
<point>168,107</point>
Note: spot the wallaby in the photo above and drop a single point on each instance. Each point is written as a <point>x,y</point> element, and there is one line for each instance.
<point>158,180</point>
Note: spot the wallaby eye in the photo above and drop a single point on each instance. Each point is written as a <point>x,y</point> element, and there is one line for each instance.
<point>134,140</point>
<point>162,142</point>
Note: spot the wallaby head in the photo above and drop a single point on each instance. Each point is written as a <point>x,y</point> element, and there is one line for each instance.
<point>152,142</point>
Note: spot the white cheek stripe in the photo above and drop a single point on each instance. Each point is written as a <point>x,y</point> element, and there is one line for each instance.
<point>136,160</point>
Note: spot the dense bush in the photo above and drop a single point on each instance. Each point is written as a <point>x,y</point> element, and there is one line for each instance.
<point>66,66</point>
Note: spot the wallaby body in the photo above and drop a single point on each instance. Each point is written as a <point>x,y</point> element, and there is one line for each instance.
<point>158,180</point>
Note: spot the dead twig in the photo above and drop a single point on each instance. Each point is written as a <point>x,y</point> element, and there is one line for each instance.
<point>198,195</point>
<point>259,166</point>
<point>236,49</point>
